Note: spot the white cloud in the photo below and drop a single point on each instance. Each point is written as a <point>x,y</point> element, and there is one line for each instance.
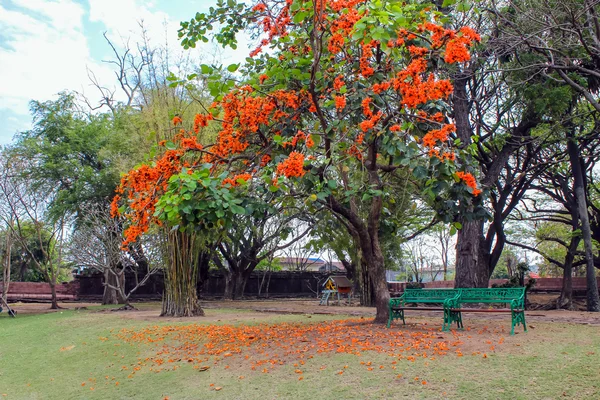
<point>45,51</point>
<point>161,28</point>
<point>44,48</point>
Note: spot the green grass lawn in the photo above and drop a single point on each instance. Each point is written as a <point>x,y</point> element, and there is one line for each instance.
<point>78,355</point>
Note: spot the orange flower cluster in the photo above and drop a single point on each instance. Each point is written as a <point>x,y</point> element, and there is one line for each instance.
<point>365,64</point>
<point>457,49</point>
<point>415,89</point>
<point>372,119</point>
<point>299,136</point>
<point>201,121</point>
<point>379,88</point>
<point>142,188</point>
<point>431,139</point>
<point>234,181</point>
<point>293,166</point>
<point>244,114</point>
<point>274,23</point>
<point>343,24</point>
<point>470,181</point>
<point>338,82</point>
<point>340,102</point>
<point>190,144</point>
<point>355,152</point>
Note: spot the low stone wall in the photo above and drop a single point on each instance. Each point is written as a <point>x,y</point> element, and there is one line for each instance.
<point>541,285</point>
<point>40,291</point>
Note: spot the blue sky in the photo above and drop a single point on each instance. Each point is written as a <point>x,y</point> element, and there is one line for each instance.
<point>47,46</point>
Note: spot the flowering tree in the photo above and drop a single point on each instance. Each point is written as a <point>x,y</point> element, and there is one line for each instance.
<point>342,97</point>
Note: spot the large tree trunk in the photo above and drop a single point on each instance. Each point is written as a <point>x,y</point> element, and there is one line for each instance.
<point>235,284</point>
<point>565,300</point>
<point>378,278</point>
<point>181,276</point>
<point>240,285</point>
<point>472,270</point>
<point>592,297</point>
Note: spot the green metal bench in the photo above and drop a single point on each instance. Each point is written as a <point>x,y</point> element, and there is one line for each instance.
<point>444,297</point>
<point>451,301</point>
<point>513,297</point>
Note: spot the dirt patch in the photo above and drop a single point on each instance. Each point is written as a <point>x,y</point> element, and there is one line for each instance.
<point>256,309</point>
<point>212,315</point>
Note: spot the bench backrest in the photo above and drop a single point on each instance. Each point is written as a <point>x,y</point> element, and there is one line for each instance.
<point>428,295</point>
<point>491,295</point>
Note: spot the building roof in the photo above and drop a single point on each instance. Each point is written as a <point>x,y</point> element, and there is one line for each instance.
<point>340,281</point>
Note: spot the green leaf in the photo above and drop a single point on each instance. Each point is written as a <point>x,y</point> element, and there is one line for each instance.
<point>301,16</point>
<point>170,145</point>
<point>206,69</point>
<point>420,172</point>
<point>233,67</point>
<point>237,209</point>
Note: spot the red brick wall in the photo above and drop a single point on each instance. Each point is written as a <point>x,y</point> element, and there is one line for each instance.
<point>41,291</point>
<point>541,284</point>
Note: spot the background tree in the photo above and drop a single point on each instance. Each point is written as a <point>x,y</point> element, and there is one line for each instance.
<point>96,245</point>
<point>563,48</point>
<point>39,234</point>
<point>266,228</point>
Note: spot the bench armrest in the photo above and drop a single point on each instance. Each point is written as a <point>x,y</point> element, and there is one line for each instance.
<point>396,301</point>
<point>518,303</point>
<point>453,302</point>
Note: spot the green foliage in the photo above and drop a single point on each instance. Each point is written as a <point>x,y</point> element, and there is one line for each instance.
<point>196,200</point>
<point>269,264</point>
<point>76,157</point>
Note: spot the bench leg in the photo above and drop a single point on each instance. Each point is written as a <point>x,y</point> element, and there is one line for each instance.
<point>459,322</point>
<point>450,317</point>
<point>518,318</point>
<point>446,324</point>
<point>395,314</point>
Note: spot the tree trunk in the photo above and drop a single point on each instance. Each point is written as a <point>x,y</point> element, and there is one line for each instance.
<point>54,305</point>
<point>110,293</point>
<point>565,300</point>
<point>378,278</point>
<point>7,265</point>
<point>181,276</point>
<point>235,284</point>
<point>240,285</point>
<point>471,268</point>
<point>229,286</point>
<point>592,297</point>
<point>364,285</point>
